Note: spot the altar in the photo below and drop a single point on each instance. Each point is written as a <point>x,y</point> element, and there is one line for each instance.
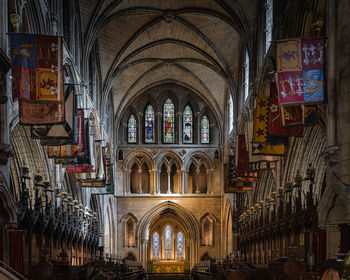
<point>168,266</point>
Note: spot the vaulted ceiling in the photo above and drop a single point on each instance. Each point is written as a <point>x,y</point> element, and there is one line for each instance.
<point>196,43</point>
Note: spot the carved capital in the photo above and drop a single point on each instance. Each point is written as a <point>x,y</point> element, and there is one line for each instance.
<point>6,152</point>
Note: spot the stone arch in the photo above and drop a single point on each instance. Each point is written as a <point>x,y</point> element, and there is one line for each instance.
<point>130,223</point>
<point>216,130</point>
<point>228,230</point>
<point>207,223</point>
<point>122,126</point>
<point>187,218</point>
<point>326,203</point>
<point>200,157</point>
<point>138,156</point>
<point>174,159</point>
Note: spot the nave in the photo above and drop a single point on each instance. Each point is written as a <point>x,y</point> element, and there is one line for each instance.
<point>174,139</point>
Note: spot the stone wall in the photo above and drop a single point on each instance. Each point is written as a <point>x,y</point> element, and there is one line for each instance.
<point>143,207</point>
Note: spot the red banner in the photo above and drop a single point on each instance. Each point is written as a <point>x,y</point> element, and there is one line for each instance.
<point>300,70</point>
<point>88,168</point>
<point>242,154</point>
<point>37,78</point>
<point>291,116</point>
<point>275,119</point>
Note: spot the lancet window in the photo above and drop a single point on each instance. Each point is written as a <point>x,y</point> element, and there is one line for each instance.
<point>187,125</point>
<point>149,125</point>
<point>168,122</point>
<point>132,131</point>
<point>180,245</point>
<point>155,245</point>
<point>205,130</point>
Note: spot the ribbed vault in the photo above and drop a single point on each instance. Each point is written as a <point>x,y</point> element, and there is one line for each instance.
<point>195,43</point>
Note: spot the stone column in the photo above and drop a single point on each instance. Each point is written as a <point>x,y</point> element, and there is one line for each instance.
<point>126,187</point>
<point>156,181</point>
<point>212,181</point>
<point>169,190</point>
<point>144,252</point>
<point>185,181</point>
<point>140,183</point>
<point>197,179</point>
<point>152,182</point>
<point>181,181</point>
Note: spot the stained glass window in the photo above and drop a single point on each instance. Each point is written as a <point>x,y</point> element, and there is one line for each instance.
<point>187,125</point>
<point>155,245</point>
<point>246,76</point>
<point>167,241</point>
<point>205,130</point>
<point>168,122</point>
<point>149,124</point>
<point>230,113</point>
<point>180,245</point>
<point>132,129</point>
<point>268,23</point>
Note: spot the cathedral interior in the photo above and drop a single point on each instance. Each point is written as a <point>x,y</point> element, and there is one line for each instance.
<point>174,139</point>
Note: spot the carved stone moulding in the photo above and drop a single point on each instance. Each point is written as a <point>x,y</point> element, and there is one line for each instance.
<point>6,152</point>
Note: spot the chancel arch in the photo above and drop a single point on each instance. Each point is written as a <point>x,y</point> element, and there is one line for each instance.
<point>179,219</point>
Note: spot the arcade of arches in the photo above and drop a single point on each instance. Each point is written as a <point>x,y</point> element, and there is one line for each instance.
<point>164,90</point>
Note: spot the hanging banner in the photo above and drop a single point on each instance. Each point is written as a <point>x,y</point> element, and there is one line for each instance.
<point>76,169</point>
<point>99,159</point>
<point>291,116</point>
<point>259,165</point>
<point>261,114</point>
<point>275,118</point>
<point>232,184</point>
<point>60,134</point>
<point>92,184</point>
<point>253,158</point>
<point>310,115</point>
<point>34,113</point>
<point>268,149</point>
<point>242,154</point>
<point>81,176</point>
<point>231,175</point>
<point>107,165</point>
<point>248,176</point>
<point>37,78</point>
<point>300,70</point>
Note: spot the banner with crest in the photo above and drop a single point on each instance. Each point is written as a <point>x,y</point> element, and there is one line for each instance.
<point>275,118</point>
<point>37,78</point>
<point>300,71</point>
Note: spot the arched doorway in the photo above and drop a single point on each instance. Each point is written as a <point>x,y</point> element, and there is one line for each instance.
<point>168,232</point>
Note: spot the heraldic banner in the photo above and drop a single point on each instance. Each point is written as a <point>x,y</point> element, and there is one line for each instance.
<point>37,78</point>
<point>300,71</point>
<point>275,118</point>
<point>263,143</point>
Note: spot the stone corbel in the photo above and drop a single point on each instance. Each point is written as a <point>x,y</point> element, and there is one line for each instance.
<point>6,152</point>
<point>330,154</point>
